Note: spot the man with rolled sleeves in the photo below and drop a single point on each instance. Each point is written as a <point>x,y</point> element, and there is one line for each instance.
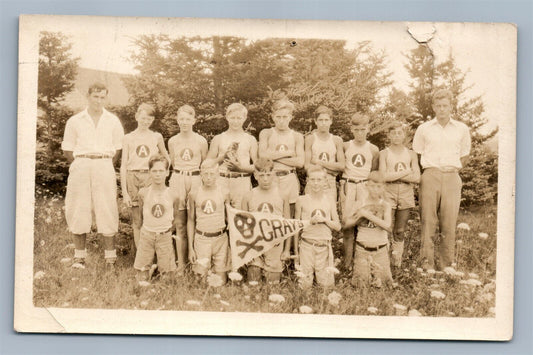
<point>91,142</point>
<point>444,145</point>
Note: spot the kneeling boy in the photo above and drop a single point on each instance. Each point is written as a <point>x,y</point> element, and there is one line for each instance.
<point>159,207</point>
<point>266,198</point>
<point>316,254</point>
<point>206,224</point>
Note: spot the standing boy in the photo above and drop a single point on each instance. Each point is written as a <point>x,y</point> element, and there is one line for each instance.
<point>373,218</point>
<point>235,149</point>
<point>285,147</point>
<point>91,142</point>
<point>138,147</point>
<point>159,206</point>
<point>266,198</point>
<point>187,151</point>
<point>399,168</point>
<point>315,253</point>
<point>361,157</point>
<point>206,224</point>
<point>444,145</point>
<point>325,149</point>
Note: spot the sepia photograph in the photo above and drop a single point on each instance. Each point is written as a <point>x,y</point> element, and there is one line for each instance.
<point>332,179</point>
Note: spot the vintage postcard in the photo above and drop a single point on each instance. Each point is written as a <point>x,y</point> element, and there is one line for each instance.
<point>278,178</point>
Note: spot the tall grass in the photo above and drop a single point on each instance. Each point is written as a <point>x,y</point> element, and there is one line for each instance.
<point>58,285</point>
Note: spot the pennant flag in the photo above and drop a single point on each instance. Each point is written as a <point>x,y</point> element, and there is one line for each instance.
<point>253,233</point>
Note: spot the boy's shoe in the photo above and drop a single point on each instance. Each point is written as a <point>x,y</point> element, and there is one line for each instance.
<point>78,263</point>
<point>110,263</point>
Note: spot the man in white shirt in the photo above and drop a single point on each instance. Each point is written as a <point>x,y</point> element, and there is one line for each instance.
<point>444,146</point>
<point>91,142</point>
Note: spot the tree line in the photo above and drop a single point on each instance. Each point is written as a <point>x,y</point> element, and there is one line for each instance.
<point>212,72</point>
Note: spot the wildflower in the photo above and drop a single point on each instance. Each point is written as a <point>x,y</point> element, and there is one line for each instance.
<point>84,289</point>
<point>305,309</point>
<point>42,243</point>
<point>459,274</point>
<point>430,271</point>
<point>144,283</point>
<point>85,299</point>
<point>394,284</point>
<point>450,314</point>
<point>235,276</point>
<point>489,287</point>
<point>372,310</point>
<point>193,302</point>
<point>39,275</point>
<point>144,303</point>
<point>48,220</point>
<point>334,298</point>
<point>253,283</point>
<point>74,279</point>
<point>400,309</point>
<point>473,282</point>
<point>449,270</point>
<point>224,303</point>
<point>77,266</point>
<point>437,294</point>
<point>473,275</point>
<point>441,280</point>
<point>463,226</point>
<point>469,309</point>
<point>247,297</point>
<point>214,280</point>
<point>434,286</point>
<point>419,269</point>
<point>414,313</point>
<point>277,298</point>
<point>459,241</point>
<point>66,260</point>
<point>217,296</point>
<point>483,236</point>
<point>332,270</point>
<point>65,304</point>
<point>168,302</point>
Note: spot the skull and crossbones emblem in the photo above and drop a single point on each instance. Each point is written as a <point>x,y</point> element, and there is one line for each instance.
<point>245,224</point>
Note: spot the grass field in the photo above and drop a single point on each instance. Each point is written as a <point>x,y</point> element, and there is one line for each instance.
<point>468,292</point>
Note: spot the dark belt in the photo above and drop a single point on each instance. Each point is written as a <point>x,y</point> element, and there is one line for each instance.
<point>321,243</point>
<point>94,156</point>
<point>210,234</point>
<point>284,172</point>
<point>187,172</point>
<point>370,249</point>
<point>139,171</point>
<point>353,181</point>
<point>234,175</point>
<point>398,182</point>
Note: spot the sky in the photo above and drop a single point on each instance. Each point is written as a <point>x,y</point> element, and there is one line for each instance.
<point>485,50</point>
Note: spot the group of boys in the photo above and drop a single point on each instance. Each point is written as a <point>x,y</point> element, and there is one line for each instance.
<point>375,189</point>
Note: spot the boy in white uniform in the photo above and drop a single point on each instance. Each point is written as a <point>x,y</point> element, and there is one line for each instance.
<point>266,198</point>
<point>361,157</point>
<point>206,224</point>
<point>325,149</point>
<point>91,141</point>
<point>236,151</point>
<point>399,168</point>
<point>373,217</point>
<point>315,252</point>
<point>159,206</point>
<point>187,151</point>
<point>137,149</point>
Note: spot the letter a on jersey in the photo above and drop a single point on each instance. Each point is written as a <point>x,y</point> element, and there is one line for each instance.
<point>358,160</point>
<point>324,156</point>
<point>319,212</point>
<point>265,207</point>
<point>186,154</point>
<point>142,151</point>
<point>400,166</point>
<point>158,210</point>
<point>209,206</point>
<point>282,148</point>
